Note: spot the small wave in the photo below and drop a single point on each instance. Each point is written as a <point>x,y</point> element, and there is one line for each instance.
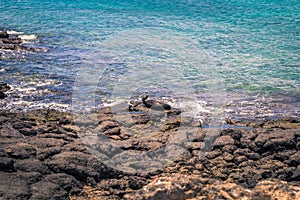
<point>27,38</point>
<point>11,32</point>
<point>24,37</point>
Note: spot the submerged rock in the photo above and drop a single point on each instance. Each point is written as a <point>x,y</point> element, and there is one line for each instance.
<point>2,95</point>
<point>4,87</point>
<point>12,44</point>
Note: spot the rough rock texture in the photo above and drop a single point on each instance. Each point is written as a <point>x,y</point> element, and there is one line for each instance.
<point>46,154</point>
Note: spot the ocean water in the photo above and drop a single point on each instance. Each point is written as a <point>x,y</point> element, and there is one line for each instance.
<point>238,57</point>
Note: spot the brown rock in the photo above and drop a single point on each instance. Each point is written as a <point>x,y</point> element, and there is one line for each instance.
<point>224,140</point>
<point>105,125</point>
<point>13,187</point>
<point>194,145</point>
<point>47,190</point>
<point>21,150</point>
<point>213,154</point>
<point>112,131</point>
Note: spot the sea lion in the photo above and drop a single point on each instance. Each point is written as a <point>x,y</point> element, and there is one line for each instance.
<point>154,104</point>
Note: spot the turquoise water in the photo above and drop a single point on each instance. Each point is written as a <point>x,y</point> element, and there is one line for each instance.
<point>247,50</point>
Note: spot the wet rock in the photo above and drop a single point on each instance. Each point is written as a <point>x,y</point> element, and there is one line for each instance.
<point>4,87</point>
<point>2,95</point>
<point>11,40</point>
<point>16,44</point>
<point>4,34</point>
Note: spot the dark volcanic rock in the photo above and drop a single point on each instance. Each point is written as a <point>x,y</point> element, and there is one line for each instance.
<point>42,156</point>
<point>31,165</point>
<point>65,181</point>
<point>21,150</point>
<point>4,34</point>
<point>13,187</point>
<point>6,164</point>
<point>16,45</point>
<point>4,87</point>
<point>2,95</point>
<point>29,177</point>
<point>78,164</point>
<point>47,190</point>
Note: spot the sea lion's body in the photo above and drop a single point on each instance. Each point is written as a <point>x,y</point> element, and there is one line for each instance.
<point>154,104</point>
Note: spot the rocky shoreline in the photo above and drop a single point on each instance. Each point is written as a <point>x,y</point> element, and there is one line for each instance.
<point>12,44</point>
<point>44,156</point>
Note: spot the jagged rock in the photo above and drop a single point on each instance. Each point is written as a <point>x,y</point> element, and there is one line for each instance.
<point>173,188</point>
<point>57,159</point>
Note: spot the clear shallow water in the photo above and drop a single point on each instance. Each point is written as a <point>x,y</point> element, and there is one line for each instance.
<point>243,54</point>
